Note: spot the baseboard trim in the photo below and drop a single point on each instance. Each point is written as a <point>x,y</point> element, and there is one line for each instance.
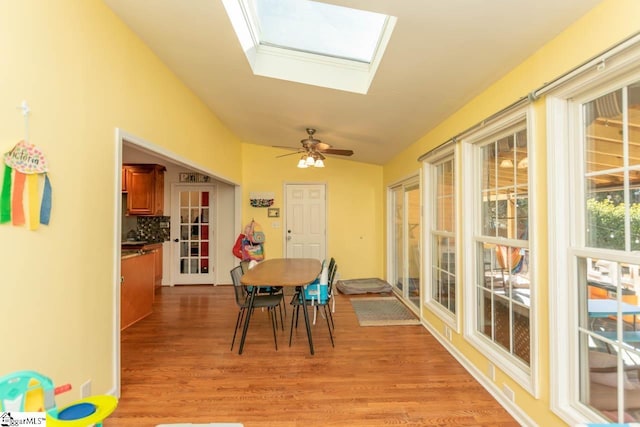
<point>514,410</point>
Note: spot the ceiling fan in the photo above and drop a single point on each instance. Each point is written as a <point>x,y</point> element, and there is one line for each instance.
<point>314,149</point>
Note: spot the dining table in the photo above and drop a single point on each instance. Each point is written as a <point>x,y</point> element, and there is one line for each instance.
<point>602,308</point>
<point>285,272</point>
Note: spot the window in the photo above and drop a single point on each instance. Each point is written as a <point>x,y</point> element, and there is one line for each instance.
<point>311,42</point>
<point>611,145</point>
<point>594,262</point>
<point>499,277</point>
<point>503,283</point>
<point>440,184</point>
<point>320,28</point>
<point>608,284</point>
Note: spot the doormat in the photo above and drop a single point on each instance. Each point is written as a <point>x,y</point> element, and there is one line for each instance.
<point>383,311</point>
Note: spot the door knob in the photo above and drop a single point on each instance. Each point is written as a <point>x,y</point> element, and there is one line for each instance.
<point>176,240</point>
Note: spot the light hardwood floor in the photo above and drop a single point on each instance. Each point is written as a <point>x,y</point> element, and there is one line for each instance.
<point>177,367</point>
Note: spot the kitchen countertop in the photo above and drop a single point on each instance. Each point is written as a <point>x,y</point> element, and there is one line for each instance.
<point>131,249</point>
<point>138,243</point>
<point>130,253</point>
<point>133,242</point>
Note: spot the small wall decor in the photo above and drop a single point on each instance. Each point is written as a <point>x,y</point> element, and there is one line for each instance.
<point>193,177</point>
<point>261,199</point>
<point>273,212</point>
<point>25,170</point>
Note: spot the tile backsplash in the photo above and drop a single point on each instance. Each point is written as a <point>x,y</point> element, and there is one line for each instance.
<point>154,228</point>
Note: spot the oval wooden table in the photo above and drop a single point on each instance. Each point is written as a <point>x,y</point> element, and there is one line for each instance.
<point>281,272</point>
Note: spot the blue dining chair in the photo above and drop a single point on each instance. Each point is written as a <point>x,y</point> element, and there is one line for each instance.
<point>317,295</point>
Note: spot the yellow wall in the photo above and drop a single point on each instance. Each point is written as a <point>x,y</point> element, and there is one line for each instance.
<point>354,206</point>
<point>83,73</point>
<point>606,25</point>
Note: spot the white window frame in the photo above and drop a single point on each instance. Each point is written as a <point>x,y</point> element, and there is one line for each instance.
<point>525,376</point>
<point>564,207</point>
<point>429,168</point>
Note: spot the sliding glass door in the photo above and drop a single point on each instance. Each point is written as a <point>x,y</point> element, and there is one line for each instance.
<point>405,240</point>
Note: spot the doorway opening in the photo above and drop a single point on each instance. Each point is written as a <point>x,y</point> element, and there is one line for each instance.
<point>132,149</point>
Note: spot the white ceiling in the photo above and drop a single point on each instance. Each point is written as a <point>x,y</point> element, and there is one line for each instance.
<point>441,55</point>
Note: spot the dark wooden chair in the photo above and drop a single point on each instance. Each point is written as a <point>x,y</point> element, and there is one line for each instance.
<point>268,301</point>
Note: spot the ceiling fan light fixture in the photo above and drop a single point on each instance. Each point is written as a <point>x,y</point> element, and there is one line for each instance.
<point>506,163</point>
<point>313,151</point>
<point>524,163</point>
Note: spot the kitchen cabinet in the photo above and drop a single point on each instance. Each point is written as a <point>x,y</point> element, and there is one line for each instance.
<point>145,189</point>
<point>136,287</point>
<point>156,249</point>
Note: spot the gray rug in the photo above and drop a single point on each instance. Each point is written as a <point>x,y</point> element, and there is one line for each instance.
<point>383,311</point>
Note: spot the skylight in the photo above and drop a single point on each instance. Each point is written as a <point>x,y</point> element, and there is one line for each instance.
<point>311,42</point>
<point>320,28</point>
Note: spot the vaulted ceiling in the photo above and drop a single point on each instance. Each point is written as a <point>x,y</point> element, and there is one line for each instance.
<point>441,54</point>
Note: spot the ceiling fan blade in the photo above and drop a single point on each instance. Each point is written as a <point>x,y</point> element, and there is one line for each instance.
<point>286,148</point>
<point>322,146</point>
<point>337,152</point>
<point>290,154</point>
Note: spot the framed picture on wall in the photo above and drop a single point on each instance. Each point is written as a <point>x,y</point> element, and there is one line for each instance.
<point>273,212</point>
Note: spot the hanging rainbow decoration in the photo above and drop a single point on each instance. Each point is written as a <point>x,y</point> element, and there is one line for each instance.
<point>25,172</point>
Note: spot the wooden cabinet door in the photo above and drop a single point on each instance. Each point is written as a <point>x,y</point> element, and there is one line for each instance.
<point>145,189</point>
<point>141,190</point>
<point>158,267</point>
<point>136,288</point>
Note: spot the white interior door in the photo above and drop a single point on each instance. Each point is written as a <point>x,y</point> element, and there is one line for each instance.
<point>305,221</point>
<point>192,231</point>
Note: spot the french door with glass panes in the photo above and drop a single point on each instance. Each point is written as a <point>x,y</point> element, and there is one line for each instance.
<point>192,234</point>
<point>405,240</point>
